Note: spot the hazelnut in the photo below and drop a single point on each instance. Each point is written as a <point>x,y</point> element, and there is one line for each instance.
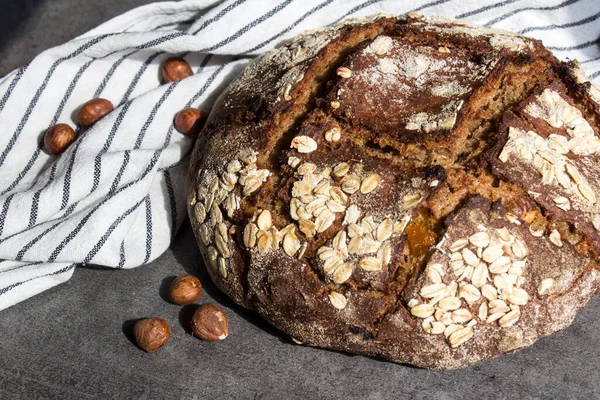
<point>151,333</point>
<point>209,322</point>
<point>93,111</point>
<point>190,121</point>
<point>186,289</point>
<point>176,69</point>
<point>58,137</point>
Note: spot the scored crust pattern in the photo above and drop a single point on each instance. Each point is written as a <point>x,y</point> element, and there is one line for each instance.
<point>418,188</point>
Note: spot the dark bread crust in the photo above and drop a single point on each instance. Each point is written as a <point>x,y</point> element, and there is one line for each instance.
<point>342,256</point>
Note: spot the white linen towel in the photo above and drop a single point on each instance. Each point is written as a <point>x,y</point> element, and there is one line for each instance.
<point>117,196</point>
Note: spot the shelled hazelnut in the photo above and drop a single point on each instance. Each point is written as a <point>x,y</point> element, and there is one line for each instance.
<point>190,121</point>
<point>151,333</point>
<point>186,289</point>
<point>176,69</point>
<point>58,137</point>
<point>210,323</point>
<point>92,111</point>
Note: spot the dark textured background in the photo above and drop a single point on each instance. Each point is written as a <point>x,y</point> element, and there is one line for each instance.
<point>73,341</point>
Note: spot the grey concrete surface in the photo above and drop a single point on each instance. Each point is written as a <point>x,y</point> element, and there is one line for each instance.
<point>74,342</point>
<point>28,27</point>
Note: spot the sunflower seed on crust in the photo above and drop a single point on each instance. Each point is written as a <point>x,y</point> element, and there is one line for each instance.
<point>222,267</point>
<point>212,253</point>
<point>216,217</point>
<point>222,246</point>
<point>205,234</point>
<point>222,231</point>
<point>200,212</point>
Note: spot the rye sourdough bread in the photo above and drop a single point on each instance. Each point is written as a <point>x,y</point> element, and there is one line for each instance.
<point>418,188</point>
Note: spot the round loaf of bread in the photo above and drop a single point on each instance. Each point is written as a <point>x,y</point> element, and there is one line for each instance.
<point>420,189</point>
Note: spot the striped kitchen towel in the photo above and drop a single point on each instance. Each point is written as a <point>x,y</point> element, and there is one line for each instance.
<point>117,196</point>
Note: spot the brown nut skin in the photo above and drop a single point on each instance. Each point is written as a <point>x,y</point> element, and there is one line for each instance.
<point>210,323</point>
<point>186,289</point>
<point>58,137</point>
<point>151,333</point>
<point>190,121</point>
<point>176,69</point>
<point>92,111</point>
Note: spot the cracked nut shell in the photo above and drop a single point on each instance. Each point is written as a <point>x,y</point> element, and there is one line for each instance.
<point>58,137</point>
<point>92,111</point>
<point>210,323</point>
<point>186,289</point>
<point>190,121</point>
<point>151,333</point>
<point>176,69</point>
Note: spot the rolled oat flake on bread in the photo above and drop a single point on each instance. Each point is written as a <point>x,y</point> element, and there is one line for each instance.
<point>420,189</point>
